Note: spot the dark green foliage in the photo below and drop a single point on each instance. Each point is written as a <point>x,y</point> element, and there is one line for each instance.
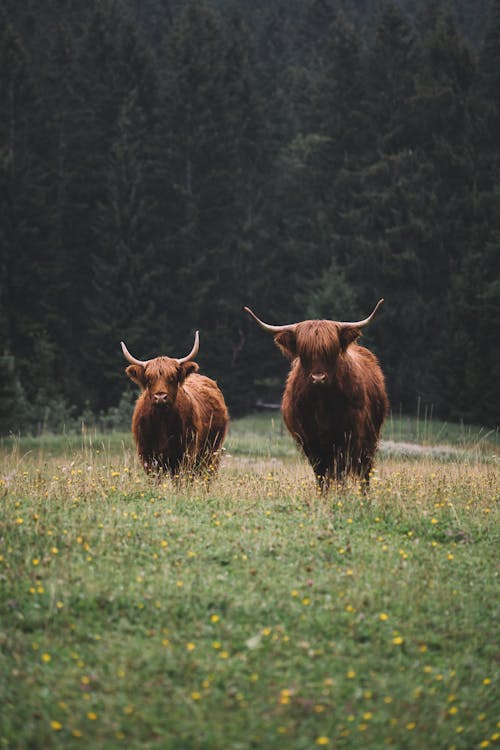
<point>164,163</point>
<point>13,407</point>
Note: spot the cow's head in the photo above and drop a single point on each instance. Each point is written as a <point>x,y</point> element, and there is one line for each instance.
<point>161,376</point>
<point>316,343</point>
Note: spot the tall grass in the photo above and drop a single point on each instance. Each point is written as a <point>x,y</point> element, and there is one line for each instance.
<point>247,612</point>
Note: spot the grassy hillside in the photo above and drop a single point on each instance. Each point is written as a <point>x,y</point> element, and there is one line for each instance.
<point>248,613</point>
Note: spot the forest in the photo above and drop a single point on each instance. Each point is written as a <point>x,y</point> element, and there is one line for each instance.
<point>164,163</point>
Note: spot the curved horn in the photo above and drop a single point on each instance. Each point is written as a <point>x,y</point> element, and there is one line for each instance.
<point>267,327</point>
<point>194,351</point>
<point>361,323</point>
<point>132,359</point>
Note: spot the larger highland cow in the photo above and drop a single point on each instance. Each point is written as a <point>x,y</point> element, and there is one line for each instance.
<point>180,419</point>
<point>335,400</point>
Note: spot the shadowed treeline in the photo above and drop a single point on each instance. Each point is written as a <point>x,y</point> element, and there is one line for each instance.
<point>164,163</point>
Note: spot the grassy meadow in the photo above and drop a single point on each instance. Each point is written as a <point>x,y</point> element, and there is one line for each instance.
<point>250,612</point>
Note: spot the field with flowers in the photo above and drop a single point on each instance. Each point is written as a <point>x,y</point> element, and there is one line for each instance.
<point>249,612</point>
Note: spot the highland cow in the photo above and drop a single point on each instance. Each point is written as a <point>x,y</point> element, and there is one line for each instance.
<point>180,419</point>
<point>335,401</point>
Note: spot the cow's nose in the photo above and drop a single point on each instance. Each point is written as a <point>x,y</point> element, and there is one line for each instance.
<point>318,377</point>
<point>161,397</point>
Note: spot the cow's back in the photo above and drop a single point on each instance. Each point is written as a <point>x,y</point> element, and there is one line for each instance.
<point>371,378</point>
<point>209,411</point>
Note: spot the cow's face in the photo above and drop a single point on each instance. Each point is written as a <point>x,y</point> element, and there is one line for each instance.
<point>161,378</point>
<point>317,344</point>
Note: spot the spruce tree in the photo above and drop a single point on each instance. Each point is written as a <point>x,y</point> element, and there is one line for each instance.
<point>215,128</point>
<point>470,350</point>
<point>24,295</point>
<point>121,96</point>
<point>123,301</point>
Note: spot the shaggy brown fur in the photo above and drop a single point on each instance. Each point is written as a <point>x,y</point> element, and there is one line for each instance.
<point>180,419</point>
<point>335,399</point>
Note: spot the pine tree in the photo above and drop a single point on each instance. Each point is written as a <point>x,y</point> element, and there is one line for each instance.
<point>311,58</point>
<point>490,54</point>
<point>415,204</point>
<point>121,96</point>
<point>66,119</point>
<point>14,411</point>
<point>123,302</point>
<point>23,218</point>
<point>391,71</point>
<point>216,135</point>
<point>470,349</point>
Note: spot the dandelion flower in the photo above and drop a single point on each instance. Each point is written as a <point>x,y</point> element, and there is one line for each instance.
<point>56,726</point>
<point>322,740</point>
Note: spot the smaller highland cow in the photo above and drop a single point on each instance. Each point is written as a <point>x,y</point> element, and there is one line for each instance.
<point>335,400</point>
<point>180,419</point>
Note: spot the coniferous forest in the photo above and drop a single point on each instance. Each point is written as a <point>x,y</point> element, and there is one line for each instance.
<point>165,162</point>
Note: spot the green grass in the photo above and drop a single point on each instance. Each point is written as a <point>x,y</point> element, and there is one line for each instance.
<point>250,613</point>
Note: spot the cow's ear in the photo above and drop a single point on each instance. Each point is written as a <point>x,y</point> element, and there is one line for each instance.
<point>347,335</point>
<point>285,340</point>
<point>136,373</point>
<point>186,369</point>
